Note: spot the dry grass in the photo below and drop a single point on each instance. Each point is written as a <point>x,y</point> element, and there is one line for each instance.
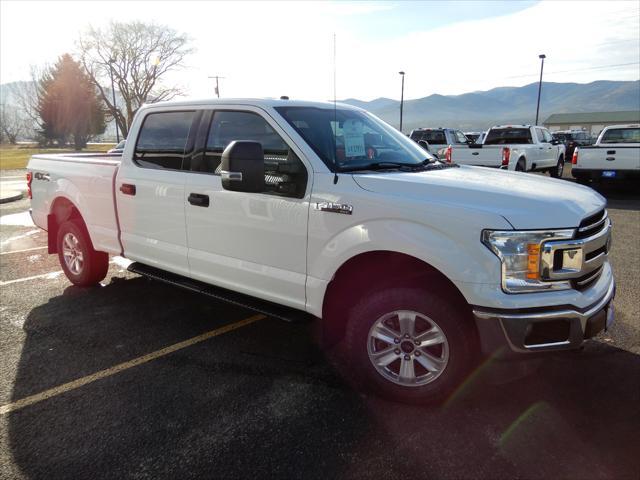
<point>16,156</point>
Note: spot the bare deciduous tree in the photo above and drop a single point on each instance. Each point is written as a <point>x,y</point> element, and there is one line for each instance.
<point>13,125</point>
<point>137,55</point>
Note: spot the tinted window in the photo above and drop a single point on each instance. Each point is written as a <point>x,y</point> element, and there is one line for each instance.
<point>503,136</point>
<point>284,172</point>
<point>621,135</point>
<point>434,137</point>
<point>162,140</point>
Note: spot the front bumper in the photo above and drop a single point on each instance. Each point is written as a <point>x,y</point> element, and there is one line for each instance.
<point>542,329</point>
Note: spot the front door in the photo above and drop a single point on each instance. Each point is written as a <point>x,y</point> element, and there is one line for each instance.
<point>254,243</point>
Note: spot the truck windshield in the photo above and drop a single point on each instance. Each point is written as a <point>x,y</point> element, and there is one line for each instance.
<point>351,139</point>
<point>513,136</point>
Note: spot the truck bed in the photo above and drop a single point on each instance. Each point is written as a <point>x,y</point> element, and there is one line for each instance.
<point>86,180</point>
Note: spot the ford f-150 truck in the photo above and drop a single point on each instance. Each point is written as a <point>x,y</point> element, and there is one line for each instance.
<point>413,267</point>
<point>615,155</point>
<point>513,147</point>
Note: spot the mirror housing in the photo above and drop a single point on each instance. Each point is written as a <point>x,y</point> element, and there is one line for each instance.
<point>242,167</point>
<point>424,144</point>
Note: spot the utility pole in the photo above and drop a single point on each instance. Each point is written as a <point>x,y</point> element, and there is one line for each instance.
<point>217,84</point>
<point>401,100</point>
<point>541,57</point>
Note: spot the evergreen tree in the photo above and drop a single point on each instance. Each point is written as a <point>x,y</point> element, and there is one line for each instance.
<point>69,107</point>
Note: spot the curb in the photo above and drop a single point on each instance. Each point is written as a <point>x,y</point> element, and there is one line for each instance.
<point>10,196</point>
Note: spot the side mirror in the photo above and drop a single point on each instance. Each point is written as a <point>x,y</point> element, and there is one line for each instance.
<point>424,144</point>
<point>242,167</point>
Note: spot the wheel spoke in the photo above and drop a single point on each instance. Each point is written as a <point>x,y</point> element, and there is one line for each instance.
<point>382,332</point>
<point>407,372</point>
<point>67,243</point>
<point>384,357</point>
<point>430,362</point>
<point>407,323</point>
<point>430,337</point>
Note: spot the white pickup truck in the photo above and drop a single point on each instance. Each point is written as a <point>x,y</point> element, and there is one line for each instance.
<point>512,147</point>
<point>615,155</point>
<point>415,267</point>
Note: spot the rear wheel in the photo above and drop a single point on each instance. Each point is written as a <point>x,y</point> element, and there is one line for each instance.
<point>408,344</point>
<point>520,166</point>
<point>556,172</point>
<point>82,265</point>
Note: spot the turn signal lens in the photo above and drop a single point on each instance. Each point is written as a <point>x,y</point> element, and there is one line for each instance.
<point>574,159</point>
<point>533,261</point>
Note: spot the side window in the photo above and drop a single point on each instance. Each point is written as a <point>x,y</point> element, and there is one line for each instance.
<point>460,137</point>
<point>162,140</point>
<point>547,136</point>
<point>285,174</point>
<point>540,135</point>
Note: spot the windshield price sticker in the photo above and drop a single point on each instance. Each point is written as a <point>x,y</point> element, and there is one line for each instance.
<point>353,138</point>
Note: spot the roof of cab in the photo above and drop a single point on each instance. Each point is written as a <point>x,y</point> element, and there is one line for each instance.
<point>256,102</point>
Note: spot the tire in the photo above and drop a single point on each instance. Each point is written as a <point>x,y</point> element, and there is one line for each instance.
<point>556,172</point>
<point>520,166</point>
<point>82,265</point>
<point>437,369</point>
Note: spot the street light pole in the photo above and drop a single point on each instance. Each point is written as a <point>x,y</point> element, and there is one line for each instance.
<point>401,99</point>
<point>541,57</point>
<point>113,91</point>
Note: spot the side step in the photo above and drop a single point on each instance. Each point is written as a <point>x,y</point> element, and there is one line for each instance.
<point>241,300</point>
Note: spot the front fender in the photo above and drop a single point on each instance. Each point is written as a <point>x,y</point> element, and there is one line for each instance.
<point>460,258</point>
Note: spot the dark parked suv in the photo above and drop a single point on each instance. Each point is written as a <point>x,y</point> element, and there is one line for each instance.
<point>572,139</point>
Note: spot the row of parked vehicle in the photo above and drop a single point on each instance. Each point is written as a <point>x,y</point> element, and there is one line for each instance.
<point>526,148</point>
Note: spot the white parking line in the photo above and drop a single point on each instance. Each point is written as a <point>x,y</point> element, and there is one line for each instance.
<point>46,276</point>
<point>23,250</point>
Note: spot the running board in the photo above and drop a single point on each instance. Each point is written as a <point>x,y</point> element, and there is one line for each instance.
<point>239,299</point>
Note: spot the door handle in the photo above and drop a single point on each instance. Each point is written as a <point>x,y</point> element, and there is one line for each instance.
<point>611,152</point>
<point>474,153</point>
<point>128,189</point>
<point>198,199</point>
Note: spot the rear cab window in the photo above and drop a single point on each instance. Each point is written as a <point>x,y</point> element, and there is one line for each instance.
<point>433,137</point>
<point>621,135</point>
<point>504,136</point>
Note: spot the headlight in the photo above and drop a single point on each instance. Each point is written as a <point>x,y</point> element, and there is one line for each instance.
<point>519,253</point>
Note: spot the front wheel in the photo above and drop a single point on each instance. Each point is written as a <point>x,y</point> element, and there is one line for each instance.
<point>408,344</point>
<point>556,172</point>
<point>82,265</point>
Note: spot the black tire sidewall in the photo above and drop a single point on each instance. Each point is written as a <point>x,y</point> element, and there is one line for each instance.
<point>554,171</point>
<point>451,321</point>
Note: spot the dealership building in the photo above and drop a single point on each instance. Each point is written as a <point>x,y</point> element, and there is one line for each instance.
<point>592,123</point>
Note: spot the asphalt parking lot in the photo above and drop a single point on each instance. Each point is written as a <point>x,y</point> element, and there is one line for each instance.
<point>259,399</point>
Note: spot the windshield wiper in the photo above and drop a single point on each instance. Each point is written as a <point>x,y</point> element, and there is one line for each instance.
<point>381,166</point>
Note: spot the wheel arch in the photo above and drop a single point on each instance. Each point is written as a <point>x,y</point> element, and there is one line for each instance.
<point>378,269</point>
<point>62,209</point>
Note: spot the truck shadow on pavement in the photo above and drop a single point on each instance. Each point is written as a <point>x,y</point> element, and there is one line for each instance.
<point>263,402</point>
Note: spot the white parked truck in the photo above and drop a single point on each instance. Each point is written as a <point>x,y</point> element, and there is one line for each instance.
<point>615,155</point>
<point>522,148</point>
<point>415,267</point>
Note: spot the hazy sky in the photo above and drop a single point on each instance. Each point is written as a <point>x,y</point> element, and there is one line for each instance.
<point>273,49</point>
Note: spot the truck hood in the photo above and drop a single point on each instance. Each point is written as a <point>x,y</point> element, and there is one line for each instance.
<point>527,201</point>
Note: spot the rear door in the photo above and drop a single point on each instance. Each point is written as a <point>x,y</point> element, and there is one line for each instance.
<point>546,151</point>
<point>253,243</point>
<point>150,191</point>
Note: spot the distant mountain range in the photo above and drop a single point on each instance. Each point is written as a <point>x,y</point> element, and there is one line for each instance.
<point>481,110</point>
